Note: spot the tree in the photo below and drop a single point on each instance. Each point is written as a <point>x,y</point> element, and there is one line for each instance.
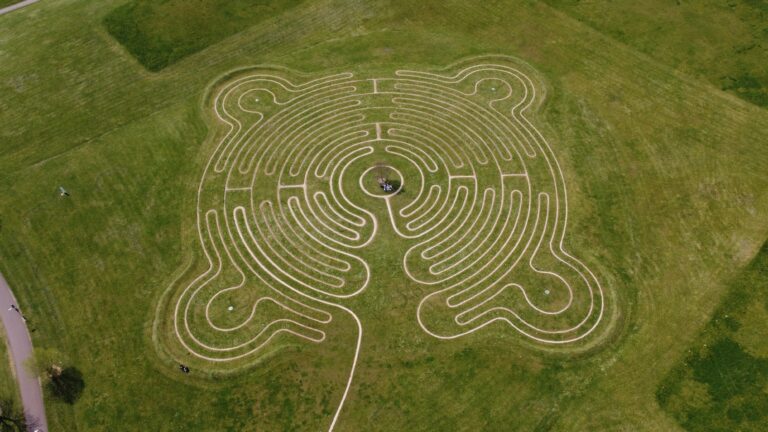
<point>382,172</point>
<point>11,417</point>
<point>64,382</point>
<point>45,363</point>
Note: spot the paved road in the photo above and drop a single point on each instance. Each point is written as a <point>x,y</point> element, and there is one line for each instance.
<point>20,347</point>
<point>19,5</point>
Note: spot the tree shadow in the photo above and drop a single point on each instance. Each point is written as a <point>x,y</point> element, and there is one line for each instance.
<point>67,386</point>
<point>397,186</point>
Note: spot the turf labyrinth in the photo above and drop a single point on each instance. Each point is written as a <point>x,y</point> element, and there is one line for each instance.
<point>288,204</point>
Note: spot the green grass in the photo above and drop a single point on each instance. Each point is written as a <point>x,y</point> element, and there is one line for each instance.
<point>666,177</point>
<point>721,384</point>
<point>4,3</point>
<point>8,386</point>
<point>722,41</point>
<point>159,34</point>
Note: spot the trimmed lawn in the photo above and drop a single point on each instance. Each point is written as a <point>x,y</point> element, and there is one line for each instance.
<point>9,388</point>
<point>666,177</point>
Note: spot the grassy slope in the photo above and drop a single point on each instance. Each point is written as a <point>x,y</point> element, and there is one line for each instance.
<point>722,383</point>
<point>4,3</point>
<point>161,33</point>
<point>723,41</point>
<point>8,386</point>
<point>663,175</point>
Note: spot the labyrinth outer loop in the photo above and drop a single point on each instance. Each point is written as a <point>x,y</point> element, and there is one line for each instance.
<point>285,210</point>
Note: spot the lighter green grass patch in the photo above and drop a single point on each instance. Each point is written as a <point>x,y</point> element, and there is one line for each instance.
<point>754,328</point>
<point>8,386</point>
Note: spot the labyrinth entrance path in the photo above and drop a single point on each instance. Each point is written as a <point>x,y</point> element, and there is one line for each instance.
<point>300,244</point>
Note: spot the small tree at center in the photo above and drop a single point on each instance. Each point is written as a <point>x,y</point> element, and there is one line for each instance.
<point>384,177</point>
<point>65,382</point>
<point>382,172</point>
<point>45,362</point>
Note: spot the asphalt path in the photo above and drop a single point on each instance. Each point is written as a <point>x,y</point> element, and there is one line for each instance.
<point>20,347</point>
<point>18,5</point>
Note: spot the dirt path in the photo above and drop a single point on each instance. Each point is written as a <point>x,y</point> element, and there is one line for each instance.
<point>20,347</point>
<point>18,5</point>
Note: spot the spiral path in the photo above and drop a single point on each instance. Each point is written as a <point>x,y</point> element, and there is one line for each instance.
<point>289,201</point>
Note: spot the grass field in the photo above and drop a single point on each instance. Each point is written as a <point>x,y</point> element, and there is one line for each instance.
<point>323,234</point>
<point>721,384</point>
<point>723,42</point>
<point>8,386</point>
<point>666,180</point>
<point>4,3</point>
<point>162,33</point>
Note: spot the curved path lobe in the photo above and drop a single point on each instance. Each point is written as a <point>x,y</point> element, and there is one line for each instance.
<point>20,347</point>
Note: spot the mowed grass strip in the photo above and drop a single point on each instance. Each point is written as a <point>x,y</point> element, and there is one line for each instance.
<point>724,42</point>
<point>722,382</point>
<point>159,34</point>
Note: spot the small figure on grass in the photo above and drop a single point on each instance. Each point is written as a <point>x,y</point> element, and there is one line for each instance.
<point>383,178</point>
<point>183,368</point>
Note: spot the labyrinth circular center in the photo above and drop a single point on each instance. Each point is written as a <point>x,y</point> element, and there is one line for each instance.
<point>381,181</point>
